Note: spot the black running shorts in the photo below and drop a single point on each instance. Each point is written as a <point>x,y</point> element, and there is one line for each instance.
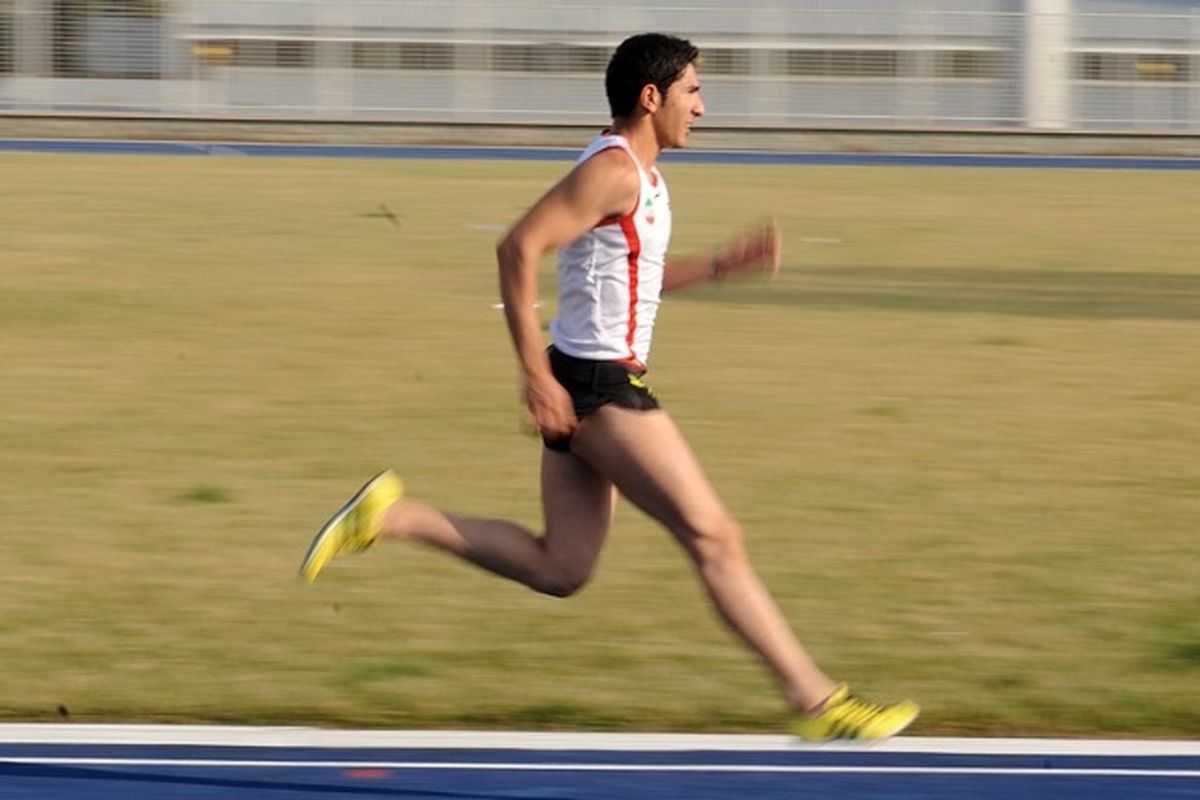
<point>593,384</point>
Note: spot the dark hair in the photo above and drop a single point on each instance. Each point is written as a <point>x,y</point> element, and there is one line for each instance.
<point>641,60</point>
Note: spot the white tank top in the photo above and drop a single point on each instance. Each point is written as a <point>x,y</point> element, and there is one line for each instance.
<point>610,279</point>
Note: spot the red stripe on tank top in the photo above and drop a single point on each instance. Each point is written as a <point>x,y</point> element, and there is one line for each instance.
<point>635,249</point>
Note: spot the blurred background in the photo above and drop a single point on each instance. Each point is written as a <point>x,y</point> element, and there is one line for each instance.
<point>1089,65</point>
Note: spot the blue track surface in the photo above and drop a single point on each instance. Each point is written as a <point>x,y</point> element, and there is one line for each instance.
<point>98,772</point>
<point>552,154</point>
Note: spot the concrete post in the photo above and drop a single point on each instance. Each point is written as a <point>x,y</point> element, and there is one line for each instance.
<point>332,71</point>
<point>1048,64</point>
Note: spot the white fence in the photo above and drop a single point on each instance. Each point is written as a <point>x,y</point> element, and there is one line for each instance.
<point>999,64</point>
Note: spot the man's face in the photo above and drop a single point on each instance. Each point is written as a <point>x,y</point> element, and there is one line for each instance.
<point>679,110</point>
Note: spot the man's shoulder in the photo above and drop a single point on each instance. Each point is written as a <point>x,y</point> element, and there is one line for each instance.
<point>604,141</point>
<point>613,167</point>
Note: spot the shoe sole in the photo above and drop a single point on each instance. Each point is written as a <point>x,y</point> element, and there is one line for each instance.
<point>861,739</point>
<point>331,524</point>
<point>903,727</point>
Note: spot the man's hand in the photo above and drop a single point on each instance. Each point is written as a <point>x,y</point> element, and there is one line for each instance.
<point>550,407</point>
<point>758,250</point>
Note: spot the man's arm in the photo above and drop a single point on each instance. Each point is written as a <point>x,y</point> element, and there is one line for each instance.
<point>756,251</point>
<point>605,185</point>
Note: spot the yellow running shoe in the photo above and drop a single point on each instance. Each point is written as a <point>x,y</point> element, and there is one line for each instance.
<point>355,527</point>
<point>847,717</point>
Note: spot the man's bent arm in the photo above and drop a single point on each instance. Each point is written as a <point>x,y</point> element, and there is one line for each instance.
<point>604,185</point>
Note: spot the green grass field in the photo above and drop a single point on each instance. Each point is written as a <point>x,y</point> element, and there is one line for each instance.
<point>962,430</point>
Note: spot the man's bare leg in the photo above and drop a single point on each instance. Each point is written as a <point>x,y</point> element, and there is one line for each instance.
<point>577,503</point>
<point>646,456</point>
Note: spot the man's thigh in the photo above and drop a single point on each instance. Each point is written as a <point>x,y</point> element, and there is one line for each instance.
<point>647,458</point>
<point>577,501</point>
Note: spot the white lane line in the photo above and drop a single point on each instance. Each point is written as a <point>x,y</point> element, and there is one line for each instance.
<point>536,767</point>
<point>251,736</point>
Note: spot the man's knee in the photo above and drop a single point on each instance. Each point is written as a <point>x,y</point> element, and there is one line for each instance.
<point>563,579</point>
<point>717,540</point>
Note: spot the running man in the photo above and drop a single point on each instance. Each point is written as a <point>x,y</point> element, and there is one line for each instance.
<point>604,432</point>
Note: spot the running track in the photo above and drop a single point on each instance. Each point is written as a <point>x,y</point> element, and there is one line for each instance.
<point>65,762</point>
<point>564,154</point>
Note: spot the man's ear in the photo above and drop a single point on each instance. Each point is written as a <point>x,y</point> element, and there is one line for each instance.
<point>650,98</point>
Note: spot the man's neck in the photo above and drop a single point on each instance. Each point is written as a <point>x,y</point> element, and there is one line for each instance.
<point>642,141</point>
